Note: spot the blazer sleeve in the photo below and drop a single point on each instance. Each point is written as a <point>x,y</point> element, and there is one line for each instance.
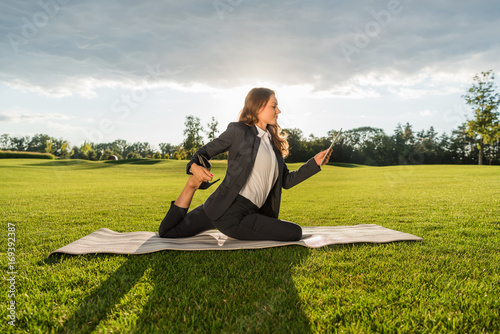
<point>305,171</point>
<point>220,144</point>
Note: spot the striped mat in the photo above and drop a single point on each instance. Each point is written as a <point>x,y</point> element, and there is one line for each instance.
<point>107,241</point>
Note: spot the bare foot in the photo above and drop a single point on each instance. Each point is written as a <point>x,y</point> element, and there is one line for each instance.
<point>193,182</point>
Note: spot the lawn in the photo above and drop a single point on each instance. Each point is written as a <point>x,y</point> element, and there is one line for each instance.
<point>447,283</point>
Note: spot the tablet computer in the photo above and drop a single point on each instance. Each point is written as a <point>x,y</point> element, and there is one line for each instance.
<point>331,145</point>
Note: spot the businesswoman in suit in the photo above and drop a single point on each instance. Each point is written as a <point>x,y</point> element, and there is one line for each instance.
<point>246,204</point>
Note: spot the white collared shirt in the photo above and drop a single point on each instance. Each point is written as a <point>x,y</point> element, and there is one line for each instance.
<point>264,172</point>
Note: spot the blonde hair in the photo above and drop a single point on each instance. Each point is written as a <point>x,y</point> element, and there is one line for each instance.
<point>255,100</point>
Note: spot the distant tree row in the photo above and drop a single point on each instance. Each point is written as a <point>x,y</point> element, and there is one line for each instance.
<point>372,146</point>
<point>89,151</point>
<point>365,145</point>
<point>473,142</point>
<point>119,148</point>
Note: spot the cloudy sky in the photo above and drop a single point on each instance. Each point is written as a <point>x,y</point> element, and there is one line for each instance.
<point>104,70</point>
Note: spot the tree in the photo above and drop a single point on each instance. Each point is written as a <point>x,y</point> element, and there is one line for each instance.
<point>38,143</point>
<point>484,102</point>
<point>211,135</point>
<point>212,129</point>
<point>19,144</point>
<point>145,150</point>
<point>180,153</point>
<point>119,146</point>
<point>87,152</point>
<point>408,136</point>
<point>132,148</point>
<point>4,141</point>
<point>92,155</point>
<point>48,146</point>
<point>133,155</point>
<point>357,145</point>
<point>60,148</point>
<point>192,135</point>
<point>166,149</point>
<point>106,154</point>
<point>383,149</point>
<point>404,143</point>
<point>427,147</point>
<point>75,153</point>
<point>371,141</point>
<point>317,144</point>
<point>297,145</point>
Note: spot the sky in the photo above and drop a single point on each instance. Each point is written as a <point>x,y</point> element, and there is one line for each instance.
<point>98,71</point>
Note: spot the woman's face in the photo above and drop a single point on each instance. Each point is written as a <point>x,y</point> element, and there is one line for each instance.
<point>269,113</point>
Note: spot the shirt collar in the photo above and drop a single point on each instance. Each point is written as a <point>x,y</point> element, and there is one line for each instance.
<point>261,132</point>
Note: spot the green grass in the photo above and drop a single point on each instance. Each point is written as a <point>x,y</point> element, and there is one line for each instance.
<point>447,283</point>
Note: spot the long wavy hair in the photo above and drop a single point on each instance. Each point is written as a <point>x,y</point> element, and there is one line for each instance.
<point>255,100</point>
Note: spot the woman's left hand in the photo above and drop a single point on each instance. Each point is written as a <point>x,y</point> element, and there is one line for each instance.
<point>318,157</point>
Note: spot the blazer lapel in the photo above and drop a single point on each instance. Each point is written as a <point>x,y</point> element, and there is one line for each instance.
<point>280,164</point>
<point>255,145</point>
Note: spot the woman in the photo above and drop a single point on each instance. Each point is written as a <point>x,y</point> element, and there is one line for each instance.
<point>246,204</point>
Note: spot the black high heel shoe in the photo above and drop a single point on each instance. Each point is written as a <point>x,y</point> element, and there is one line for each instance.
<point>206,184</point>
<point>205,163</point>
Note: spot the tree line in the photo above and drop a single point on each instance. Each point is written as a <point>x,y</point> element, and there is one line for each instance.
<point>473,142</point>
<point>120,148</point>
<point>372,146</point>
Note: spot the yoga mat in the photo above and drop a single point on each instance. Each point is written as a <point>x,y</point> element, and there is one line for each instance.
<point>107,241</point>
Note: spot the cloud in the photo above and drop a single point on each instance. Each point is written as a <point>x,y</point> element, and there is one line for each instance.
<point>18,115</point>
<point>426,112</point>
<point>193,45</point>
<point>65,128</point>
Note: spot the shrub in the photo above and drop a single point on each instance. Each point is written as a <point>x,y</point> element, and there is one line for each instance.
<point>133,155</point>
<point>25,155</point>
<point>92,155</point>
<point>180,153</point>
<point>108,153</point>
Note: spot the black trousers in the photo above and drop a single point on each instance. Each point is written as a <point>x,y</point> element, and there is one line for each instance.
<point>241,221</point>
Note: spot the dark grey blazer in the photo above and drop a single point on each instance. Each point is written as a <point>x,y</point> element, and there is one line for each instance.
<point>242,142</point>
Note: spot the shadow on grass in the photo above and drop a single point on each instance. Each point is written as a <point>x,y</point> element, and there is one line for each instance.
<point>208,291</point>
<point>133,162</point>
<point>344,165</point>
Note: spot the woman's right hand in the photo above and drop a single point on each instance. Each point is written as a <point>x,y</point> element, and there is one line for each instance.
<point>201,173</point>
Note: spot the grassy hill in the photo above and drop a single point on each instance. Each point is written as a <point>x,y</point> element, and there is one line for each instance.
<point>447,283</point>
